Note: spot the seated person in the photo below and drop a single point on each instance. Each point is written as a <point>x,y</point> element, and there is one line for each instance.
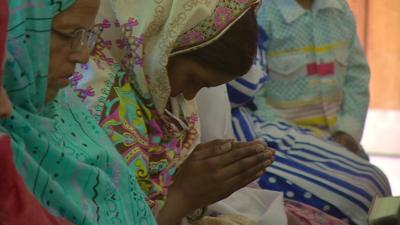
<point>17,204</point>
<point>143,102</point>
<point>319,77</point>
<point>306,169</point>
<point>143,74</point>
<point>67,170</point>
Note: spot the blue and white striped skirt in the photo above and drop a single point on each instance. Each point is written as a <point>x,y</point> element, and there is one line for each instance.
<point>314,171</point>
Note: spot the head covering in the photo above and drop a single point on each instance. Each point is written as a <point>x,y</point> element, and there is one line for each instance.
<point>3,32</point>
<point>66,160</point>
<point>169,28</point>
<point>17,204</point>
<point>127,87</point>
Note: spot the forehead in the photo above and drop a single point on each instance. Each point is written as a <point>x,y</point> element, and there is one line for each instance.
<point>80,15</point>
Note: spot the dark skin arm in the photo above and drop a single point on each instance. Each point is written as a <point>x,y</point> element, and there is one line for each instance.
<point>213,172</point>
<point>347,141</point>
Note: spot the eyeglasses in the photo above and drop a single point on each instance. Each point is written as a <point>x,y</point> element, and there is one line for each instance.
<point>82,37</point>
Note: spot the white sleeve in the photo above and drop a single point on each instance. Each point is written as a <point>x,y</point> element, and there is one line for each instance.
<point>215,114</point>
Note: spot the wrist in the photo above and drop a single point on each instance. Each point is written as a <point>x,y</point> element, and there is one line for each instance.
<point>196,215</point>
<point>338,133</point>
<point>174,209</point>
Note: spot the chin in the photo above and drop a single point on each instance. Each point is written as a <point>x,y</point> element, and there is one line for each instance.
<point>188,98</point>
<point>62,83</point>
<point>174,95</point>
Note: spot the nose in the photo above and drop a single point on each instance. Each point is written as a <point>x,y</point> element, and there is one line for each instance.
<point>5,104</point>
<point>81,57</point>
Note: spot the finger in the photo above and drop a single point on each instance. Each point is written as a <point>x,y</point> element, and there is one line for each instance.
<point>212,149</point>
<point>237,187</point>
<point>252,143</point>
<point>248,143</point>
<point>261,160</point>
<point>210,144</point>
<point>238,182</point>
<point>220,147</point>
<point>240,153</point>
<point>242,180</point>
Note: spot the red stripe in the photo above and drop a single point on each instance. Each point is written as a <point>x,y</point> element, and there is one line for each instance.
<point>312,69</point>
<point>326,69</point>
<point>322,70</point>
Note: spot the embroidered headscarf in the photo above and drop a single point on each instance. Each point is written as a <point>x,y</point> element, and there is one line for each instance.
<point>127,88</point>
<point>65,158</point>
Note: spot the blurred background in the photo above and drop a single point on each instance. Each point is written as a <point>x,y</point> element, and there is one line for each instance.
<point>378,24</point>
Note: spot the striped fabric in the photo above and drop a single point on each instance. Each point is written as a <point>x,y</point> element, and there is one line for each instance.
<point>307,169</point>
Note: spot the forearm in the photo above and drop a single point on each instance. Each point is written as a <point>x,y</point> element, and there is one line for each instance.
<point>356,92</point>
<point>173,211</point>
<point>169,216</point>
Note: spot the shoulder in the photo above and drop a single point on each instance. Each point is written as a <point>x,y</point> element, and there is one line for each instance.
<point>348,13</point>
<point>341,15</point>
<point>268,9</point>
<point>346,9</point>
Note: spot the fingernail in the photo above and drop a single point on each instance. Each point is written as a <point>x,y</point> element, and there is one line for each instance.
<point>259,148</point>
<point>267,163</point>
<point>226,147</point>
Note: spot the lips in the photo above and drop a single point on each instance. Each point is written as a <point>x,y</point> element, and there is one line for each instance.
<point>67,76</point>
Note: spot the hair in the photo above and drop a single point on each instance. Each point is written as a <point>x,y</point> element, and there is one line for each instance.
<point>233,53</point>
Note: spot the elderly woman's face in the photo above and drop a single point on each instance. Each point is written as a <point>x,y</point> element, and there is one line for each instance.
<point>66,51</point>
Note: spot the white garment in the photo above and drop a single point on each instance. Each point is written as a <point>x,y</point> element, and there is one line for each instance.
<point>261,206</point>
<point>215,114</point>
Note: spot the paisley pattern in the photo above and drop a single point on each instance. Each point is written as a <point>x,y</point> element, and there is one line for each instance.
<point>129,64</point>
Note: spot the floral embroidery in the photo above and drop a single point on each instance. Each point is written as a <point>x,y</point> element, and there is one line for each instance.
<point>132,23</point>
<point>242,1</point>
<point>192,37</point>
<point>223,16</point>
<point>82,93</point>
<point>105,24</point>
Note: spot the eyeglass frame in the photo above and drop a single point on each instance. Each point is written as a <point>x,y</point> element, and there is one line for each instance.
<point>92,35</point>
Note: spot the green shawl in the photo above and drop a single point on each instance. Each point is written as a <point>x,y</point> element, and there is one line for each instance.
<point>66,160</point>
